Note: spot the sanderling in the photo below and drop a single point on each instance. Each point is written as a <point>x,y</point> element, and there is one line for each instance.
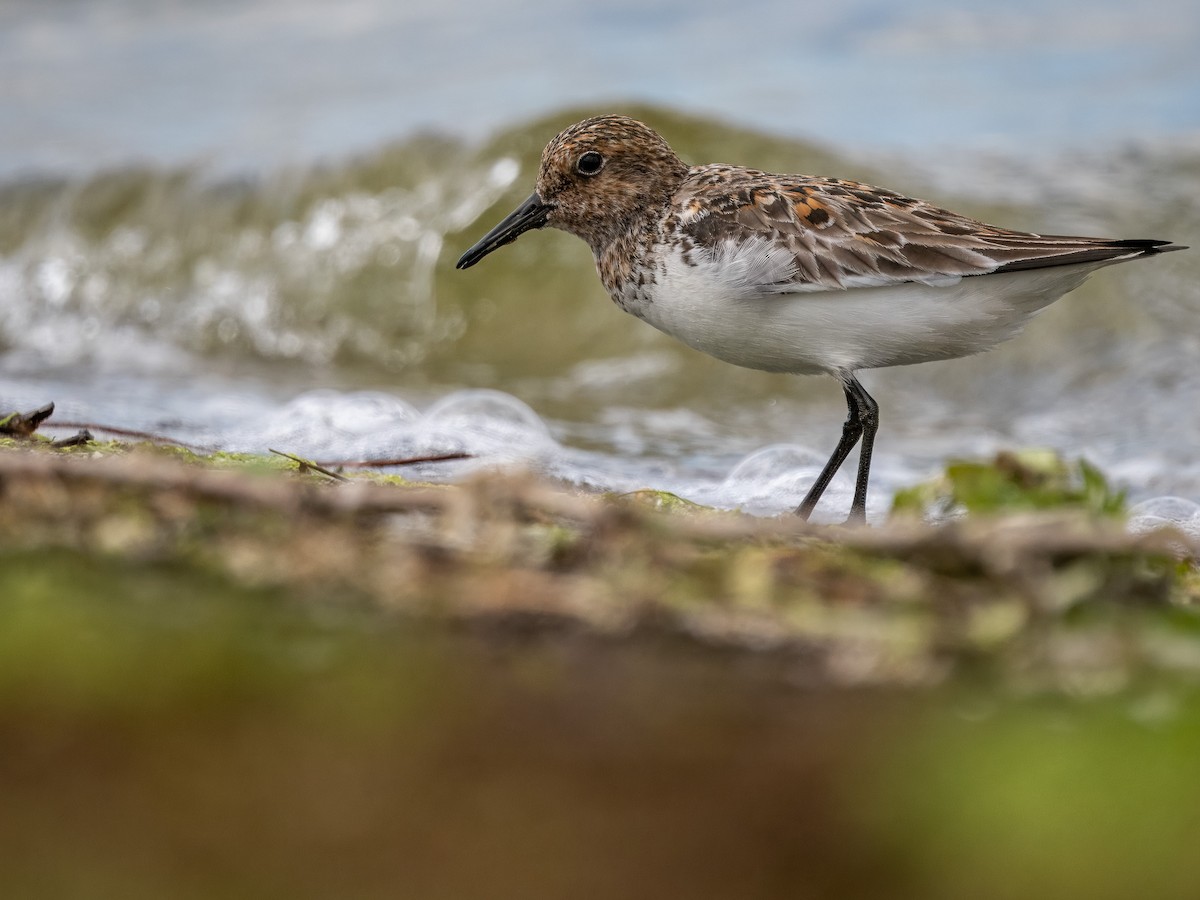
<point>795,273</point>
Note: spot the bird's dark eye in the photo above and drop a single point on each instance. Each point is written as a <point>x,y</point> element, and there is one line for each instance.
<point>590,163</point>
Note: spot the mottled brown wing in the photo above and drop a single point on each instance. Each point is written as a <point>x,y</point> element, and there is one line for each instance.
<point>844,234</point>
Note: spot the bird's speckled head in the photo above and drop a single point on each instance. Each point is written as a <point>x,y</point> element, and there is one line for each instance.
<point>602,173</point>
<point>600,179</point>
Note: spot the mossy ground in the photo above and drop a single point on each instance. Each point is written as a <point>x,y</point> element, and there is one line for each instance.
<point>223,678</point>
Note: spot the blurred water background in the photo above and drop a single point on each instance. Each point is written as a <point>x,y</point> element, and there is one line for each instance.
<point>235,223</point>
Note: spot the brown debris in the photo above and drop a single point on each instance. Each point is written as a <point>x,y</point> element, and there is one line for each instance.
<point>24,424</point>
<point>895,604</point>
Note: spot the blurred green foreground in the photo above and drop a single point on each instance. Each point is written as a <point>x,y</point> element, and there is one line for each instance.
<point>229,683</point>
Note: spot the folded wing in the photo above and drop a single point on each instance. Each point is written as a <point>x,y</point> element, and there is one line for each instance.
<point>836,234</point>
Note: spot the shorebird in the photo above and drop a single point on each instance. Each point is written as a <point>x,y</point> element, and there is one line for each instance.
<point>795,273</point>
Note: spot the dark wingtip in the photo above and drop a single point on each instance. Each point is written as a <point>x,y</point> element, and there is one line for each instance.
<point>1097,251</point>
<point>1148,246</point>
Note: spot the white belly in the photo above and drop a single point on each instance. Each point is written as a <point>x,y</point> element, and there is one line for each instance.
<point>846,330</point>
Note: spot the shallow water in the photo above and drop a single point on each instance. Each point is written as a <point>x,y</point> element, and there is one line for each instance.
<point>240,231</point>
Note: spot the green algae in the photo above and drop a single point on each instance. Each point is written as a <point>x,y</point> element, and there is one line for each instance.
<point>662,500</point>
<point>1033,479</point>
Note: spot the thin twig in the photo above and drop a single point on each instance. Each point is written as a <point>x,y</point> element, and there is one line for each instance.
<point>308,464</point>
<point>130,432</point>
<point>405,461</point>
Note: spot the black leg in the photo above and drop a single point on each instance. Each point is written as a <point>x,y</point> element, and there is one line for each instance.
<point>868,418</point>
<point>851,432</point>
<point>862,420</point>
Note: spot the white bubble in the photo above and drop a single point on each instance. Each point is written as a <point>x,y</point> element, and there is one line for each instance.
<point>773,480</point>
<point>227,330</point>
<point>488,423</point>
<point>55,281</point>
<point>406,228</point>
<point>335,425</point>
<point>127,243</point>
<point>504,172</point>
<point>325,226</point>
<point>1174,509</point>
<point>1165,512</point>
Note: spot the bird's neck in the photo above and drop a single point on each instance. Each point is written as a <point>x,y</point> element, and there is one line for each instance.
<point>625,262</point>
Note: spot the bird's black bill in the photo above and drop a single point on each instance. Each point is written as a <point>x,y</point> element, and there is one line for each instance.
<point>530,214</point>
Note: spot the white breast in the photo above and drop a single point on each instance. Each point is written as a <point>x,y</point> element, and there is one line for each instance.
<point>736,304</point>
